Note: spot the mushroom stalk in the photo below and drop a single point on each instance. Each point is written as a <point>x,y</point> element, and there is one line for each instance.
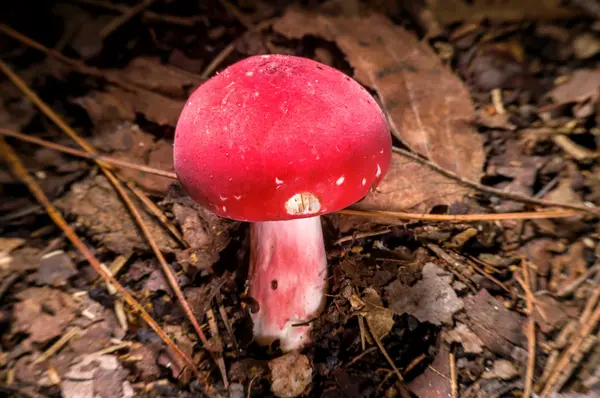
<point>288,279</point>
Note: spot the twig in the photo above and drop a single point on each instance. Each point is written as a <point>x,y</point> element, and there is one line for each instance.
<point>530,334</point>
<point>497,101</point>
<point>214,331</point>
<point>493,191</point>
<point>124,17</point>
<point>121,191</point>
<point>157,213</point>
<point>225,318</point>
<point>386,355</point>
<point>361,236</point>
<point>87,155</point>
<point>360,356</point>
<point>146,14</point>
<point>384,214</point>
<point>453,377</point>
<point>226,52</point>
<point>490,277</point>
<point>570,287</point>
<point>581,343</point>
<point>463,217</point>
<point>7,283</point>
<point>455,266</point>
<point>54,348</point>
<point>17,167</point>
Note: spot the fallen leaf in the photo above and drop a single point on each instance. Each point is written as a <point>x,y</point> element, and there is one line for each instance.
<point>7,245</point>
<point>82,29</point>
<point>498,328</point>
<point>582,86</point>
<point>379,318</point>
<point>463,335</point>
<point>409,185</point>
<point>96,377</point>
<point>55,269</point>
<point>434,384</point>
<point>116,103</point>
<point>428,107</point>
<point>290,374</point>
<point>100,211</point>
<point>126,141</point>
<point>43,313</point>
<point>148,72</point>
<point>432,299</point>
<point>450,11</point>
<point>586,46</point>
<point>501,369</point>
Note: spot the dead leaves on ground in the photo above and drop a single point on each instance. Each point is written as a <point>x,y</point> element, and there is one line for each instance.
<point>428,107</point>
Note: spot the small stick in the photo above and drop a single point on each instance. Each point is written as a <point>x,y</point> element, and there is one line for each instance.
<point>530,334</point>
<point>386,214</point>
<point>361,236</point>
<point>453,376</point>
<point>120,190</point>
<point>463,217</point>
<point>54,348</point>
<point>124,17</point>
<point>147,14</point>
<point>19,169</point>
<point>214,331</point>
<point>158,213</point>
<point>87,155</point>
<point>493,191</point>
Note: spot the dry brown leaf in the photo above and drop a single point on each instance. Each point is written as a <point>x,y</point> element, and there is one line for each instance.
<point>149,73</point>
<point>428,107</point>
<point>583,85</point>
<point>126,141</point>
<point>43,313</point>
<point>432,299</point>
<point>450,11</point>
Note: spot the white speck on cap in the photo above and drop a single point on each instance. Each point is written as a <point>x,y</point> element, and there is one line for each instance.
<point>340,180</point>
<point>364,181</point>
<point>303,203</point>
<point>224,209</point>
<point>278,181</point>
<point>249,73</point>
<point>378,171</point>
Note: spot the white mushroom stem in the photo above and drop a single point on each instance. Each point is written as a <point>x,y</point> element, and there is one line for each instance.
<point>288,279</point>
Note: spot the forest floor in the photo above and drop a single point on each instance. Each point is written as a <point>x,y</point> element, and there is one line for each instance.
<point>481,280</point>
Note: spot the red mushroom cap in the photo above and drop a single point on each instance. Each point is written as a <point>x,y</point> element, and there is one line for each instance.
<point>277,137</point>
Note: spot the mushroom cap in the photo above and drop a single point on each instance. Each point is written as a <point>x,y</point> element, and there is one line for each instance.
<point>278,137</point>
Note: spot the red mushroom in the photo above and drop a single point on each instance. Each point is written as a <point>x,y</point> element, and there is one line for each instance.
<point>277,141</point>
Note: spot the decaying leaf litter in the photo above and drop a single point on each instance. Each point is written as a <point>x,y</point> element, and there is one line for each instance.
<point>500,94</point>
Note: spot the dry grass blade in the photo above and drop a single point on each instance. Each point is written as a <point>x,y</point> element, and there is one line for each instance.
<point>123,194</point>
<point>530,333</point>
<point>385,214</point>
<point>17,167</point>
<point>124,17</point>
<point>463,217</point>
<point>581,343</point>
<point>86,155</point>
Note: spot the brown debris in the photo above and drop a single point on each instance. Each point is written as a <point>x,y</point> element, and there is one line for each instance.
<point>43,313</point>
<point>96,377</point>
<point>105,218</point>
<point>498,328</point>
<point>450,11</point>
<point>55,269</point>
<point>291,374</point>
<point>126,141</point>
<point>432,299</point>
